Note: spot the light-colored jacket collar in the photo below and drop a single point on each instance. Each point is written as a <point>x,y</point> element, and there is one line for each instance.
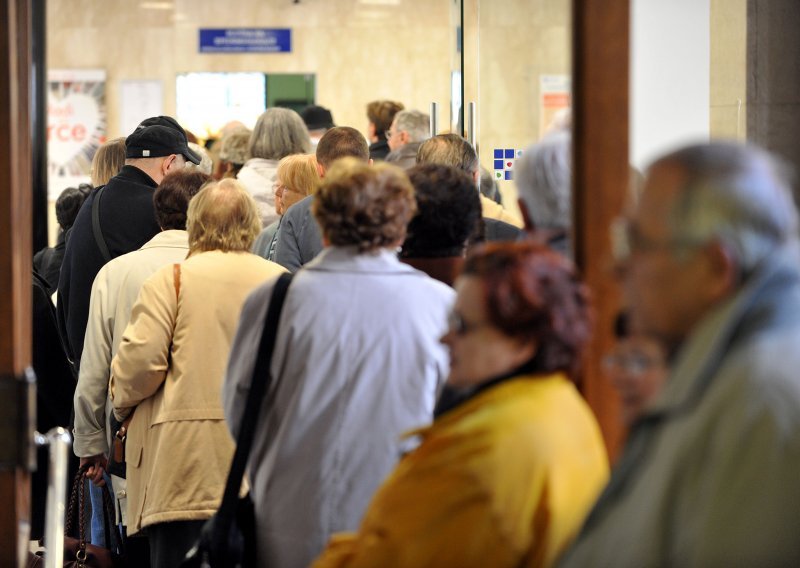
<point>348,259</point>
<point>262,166</point>
<point>766,294</point>
<point>172,238</point>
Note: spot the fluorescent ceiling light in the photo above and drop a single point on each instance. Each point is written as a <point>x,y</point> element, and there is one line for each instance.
<point>157,5</point>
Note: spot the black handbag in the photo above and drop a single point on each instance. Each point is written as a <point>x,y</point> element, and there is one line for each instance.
<point>228,539</point>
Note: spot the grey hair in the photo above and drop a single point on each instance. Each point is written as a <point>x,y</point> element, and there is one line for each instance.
<point>737,194</point>
<point>543,176</point>
<point>279,132</point>
<point>233,146</point>
<point>205,165</point>
<point>415,122</point>
<point>448,150</point>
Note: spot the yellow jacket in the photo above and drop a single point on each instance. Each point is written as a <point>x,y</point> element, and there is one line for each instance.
<point>170,365</point>
<point>505,479</point>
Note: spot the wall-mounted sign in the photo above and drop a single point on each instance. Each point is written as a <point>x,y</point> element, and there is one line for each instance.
<point>554,100</point>
<point>504,159</point>
<point>76,125</point>
<point>245,40</point>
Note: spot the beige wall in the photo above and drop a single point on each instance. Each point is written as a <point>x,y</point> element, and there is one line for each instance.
<point>358,51</point>
<point>511,49</point>
<point>728,69</point>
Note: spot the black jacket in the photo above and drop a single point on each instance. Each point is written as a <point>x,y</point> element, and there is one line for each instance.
<point>47,262</point>
<point>379,150</point>
<point>127,221</point>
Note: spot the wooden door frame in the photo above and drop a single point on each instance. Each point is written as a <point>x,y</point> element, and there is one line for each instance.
<point>15,276</point>
<point>601,55</point>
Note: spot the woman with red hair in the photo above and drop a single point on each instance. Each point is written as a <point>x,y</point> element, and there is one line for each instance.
<point>508,470</point>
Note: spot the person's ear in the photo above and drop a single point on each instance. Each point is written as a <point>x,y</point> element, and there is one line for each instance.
<point>476,177</point>
<point>371,161</point>
<point>404,137</point>
<point>165,165</point>
<point>722,271</point>
<point>320,170</point>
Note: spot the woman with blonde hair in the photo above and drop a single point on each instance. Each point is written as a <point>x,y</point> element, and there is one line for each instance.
<point>297,176</point>
<point>108,161</point>
<point>169,368</point>
<point>279,132</point>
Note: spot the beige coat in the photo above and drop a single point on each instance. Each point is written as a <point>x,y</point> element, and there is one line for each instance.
<point>170,363</point>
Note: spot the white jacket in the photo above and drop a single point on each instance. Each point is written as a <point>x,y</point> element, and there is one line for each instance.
<point>258,176</point>
<point>357,362</point>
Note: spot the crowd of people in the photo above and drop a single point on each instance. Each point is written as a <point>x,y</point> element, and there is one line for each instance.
<point>422,406</point>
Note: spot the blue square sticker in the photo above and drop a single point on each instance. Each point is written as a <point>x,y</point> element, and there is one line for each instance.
<point>509,153</point>
<point>508,175</point>
<point>498,164</point>
<point>498,154</point>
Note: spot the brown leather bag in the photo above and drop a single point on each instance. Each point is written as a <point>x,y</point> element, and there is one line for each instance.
<point>77,552</point>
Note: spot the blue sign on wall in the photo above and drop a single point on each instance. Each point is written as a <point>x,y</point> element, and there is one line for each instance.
<point>246,40</point>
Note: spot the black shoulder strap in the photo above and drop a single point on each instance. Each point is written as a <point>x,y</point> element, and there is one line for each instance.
<point>98,234</point>
<point>258,388</point>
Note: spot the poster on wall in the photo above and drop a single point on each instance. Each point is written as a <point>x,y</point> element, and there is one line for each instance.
<point>139,100</point>
<point>76,125</point>
<point>554,100</point>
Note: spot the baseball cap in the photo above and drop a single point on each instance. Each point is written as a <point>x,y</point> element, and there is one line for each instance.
<point>170,122</point>
<point>156,141</point>
<point>317,117</point>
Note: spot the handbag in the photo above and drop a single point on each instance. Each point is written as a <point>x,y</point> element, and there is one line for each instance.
<point>228,539</point>
<point>77,552</point>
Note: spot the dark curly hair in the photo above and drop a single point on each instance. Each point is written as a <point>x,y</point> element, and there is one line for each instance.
<point>362,205</point>
<point>533,293</point>
<point>448,212</point>
<point>172,196</point>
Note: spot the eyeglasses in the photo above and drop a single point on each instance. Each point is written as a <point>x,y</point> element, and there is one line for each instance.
<point>627,239</point>
<point>388,134</point>
<point>635,363</point>
<point>277,186</point>
<point>460,326</point>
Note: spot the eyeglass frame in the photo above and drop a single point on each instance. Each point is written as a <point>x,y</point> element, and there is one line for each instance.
<point>276,186</point>
<point>460,327</point>
<point>635,363</point>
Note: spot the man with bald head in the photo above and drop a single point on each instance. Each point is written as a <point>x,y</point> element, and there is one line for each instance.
<point>709,474</point>
<point>299,238</point>
<point>116,220</point>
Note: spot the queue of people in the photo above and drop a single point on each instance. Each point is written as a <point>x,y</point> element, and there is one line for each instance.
<point>423,406</point>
